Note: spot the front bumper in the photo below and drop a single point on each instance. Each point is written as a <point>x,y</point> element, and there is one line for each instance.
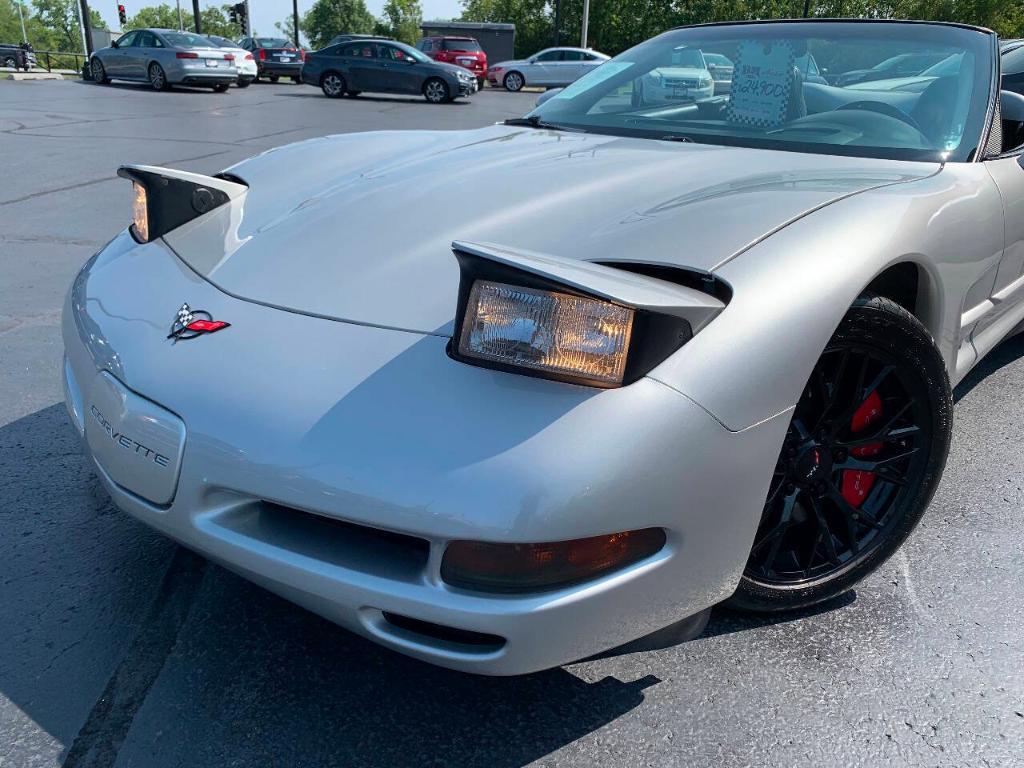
<point>294,421</point>
<point>467,88</point>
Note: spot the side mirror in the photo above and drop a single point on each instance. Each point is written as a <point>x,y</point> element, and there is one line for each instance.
<point>824,70</point>
<point>113,43</point>
<point>1011,106</point>
<point>531,61</point>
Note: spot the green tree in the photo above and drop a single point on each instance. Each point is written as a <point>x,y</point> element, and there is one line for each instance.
<point>161,16</point>
<point>215,21</point>
<point>328,18</point>
<point>59,19</point>
<point>401,20</point>
<point>287,29</point>
<point>534,20</point>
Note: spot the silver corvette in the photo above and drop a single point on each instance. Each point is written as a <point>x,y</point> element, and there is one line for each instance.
<point>665,357</point>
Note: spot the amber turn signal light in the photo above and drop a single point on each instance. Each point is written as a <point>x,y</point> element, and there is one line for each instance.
<point>490,567</point>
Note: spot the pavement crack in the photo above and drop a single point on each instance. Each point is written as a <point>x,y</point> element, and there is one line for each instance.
<point>100,738</point>
<point>92,182</point>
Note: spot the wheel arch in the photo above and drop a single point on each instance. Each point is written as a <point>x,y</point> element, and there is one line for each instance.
<point>910,282</point>
<point>792,289</point>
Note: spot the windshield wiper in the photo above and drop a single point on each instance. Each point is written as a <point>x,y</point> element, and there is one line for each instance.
<point>534,121</point>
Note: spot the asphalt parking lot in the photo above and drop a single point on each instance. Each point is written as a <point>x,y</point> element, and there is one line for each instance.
<point>118,648</point>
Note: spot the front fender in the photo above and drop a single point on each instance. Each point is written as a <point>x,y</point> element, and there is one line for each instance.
<point>791,290</point>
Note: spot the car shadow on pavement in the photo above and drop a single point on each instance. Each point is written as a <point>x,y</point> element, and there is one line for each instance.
<point>121,646</point>
<point>317,94</point>
<point>1008,351</point>
<point>126,85</point>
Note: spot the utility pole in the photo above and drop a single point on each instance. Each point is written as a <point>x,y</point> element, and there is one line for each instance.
<point>295,18</point>
<point>586,21</point>
<point>83,9</point>
<point>21,15</point>
<point>180,25</point>
<point>807,8</point>
<point>195,12</point>
<point>248,20</point>
<point>558,22</point>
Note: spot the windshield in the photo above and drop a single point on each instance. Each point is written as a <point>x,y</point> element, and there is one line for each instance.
<point>186,40</point>
<point>777,99</point>
<point>273,42</point>
<point>461,45</point>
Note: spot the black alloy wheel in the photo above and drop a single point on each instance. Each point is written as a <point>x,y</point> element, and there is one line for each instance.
<point>861,459</point>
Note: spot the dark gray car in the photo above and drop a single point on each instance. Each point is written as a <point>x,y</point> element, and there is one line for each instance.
<point>385,67</point>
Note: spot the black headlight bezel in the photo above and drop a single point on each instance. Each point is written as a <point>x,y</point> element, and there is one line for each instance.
<point>654,336</point>
<point>170,201</point>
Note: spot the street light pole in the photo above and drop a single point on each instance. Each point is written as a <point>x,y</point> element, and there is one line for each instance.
<point>807,8</point>
<point>195,12</point>
<point>558,23</point>
<point>21,15</point>
<point>586,21</point>
<point>295,18</point>
<point>180,25</point>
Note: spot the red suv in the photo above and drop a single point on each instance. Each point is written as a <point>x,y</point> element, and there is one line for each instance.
<point>461,51</point>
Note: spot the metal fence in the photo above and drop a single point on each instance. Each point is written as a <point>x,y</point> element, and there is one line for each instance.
<point>51,60</point>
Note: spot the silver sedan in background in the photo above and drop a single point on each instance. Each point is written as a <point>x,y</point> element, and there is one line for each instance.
<point>164,57</point>
<point>552,67</point>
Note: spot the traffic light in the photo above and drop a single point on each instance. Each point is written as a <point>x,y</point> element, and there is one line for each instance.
<point>121,14</point>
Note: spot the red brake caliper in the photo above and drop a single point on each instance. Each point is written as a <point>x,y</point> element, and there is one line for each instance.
<point>857,482</point>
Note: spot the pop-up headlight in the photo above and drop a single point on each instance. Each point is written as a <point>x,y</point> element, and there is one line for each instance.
<point>164,199</point>
<point>547,331</point>
<point>569,320</point>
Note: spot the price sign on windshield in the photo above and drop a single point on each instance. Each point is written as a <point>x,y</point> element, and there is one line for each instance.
<point>762,81</point>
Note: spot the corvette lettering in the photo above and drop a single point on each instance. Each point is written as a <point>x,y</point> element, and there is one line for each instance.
<point>126,442</point>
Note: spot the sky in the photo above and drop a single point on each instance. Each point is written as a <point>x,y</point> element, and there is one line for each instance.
<point>266,12</point>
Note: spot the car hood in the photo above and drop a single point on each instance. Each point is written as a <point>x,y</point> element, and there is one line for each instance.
<point>359,227</point>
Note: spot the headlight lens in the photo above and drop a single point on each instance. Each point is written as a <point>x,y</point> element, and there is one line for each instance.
<point>140,213</point>
<point>547,331</point>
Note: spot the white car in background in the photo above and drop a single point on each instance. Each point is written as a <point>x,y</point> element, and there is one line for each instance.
<point>552,68</point>
<point>244,60</point>
<point>686,78</point>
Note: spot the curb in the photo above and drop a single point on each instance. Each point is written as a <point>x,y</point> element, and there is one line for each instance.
<point>34,76</point>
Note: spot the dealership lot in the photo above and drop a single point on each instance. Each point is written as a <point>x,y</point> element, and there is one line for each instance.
<point>118,648</point>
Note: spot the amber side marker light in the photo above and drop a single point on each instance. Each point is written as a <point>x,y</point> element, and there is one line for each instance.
<point>490,567</point>
<point>140,212</point>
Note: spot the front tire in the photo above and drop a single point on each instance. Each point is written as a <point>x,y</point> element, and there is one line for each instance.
<point>333,85</point>
<point>158,78</point>
<point>435,90</point>
<point>863,456</point>
<point>10,61</point>
<point>514,82</point>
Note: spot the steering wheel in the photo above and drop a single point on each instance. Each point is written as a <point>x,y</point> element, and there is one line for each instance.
<point>885,109</point>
